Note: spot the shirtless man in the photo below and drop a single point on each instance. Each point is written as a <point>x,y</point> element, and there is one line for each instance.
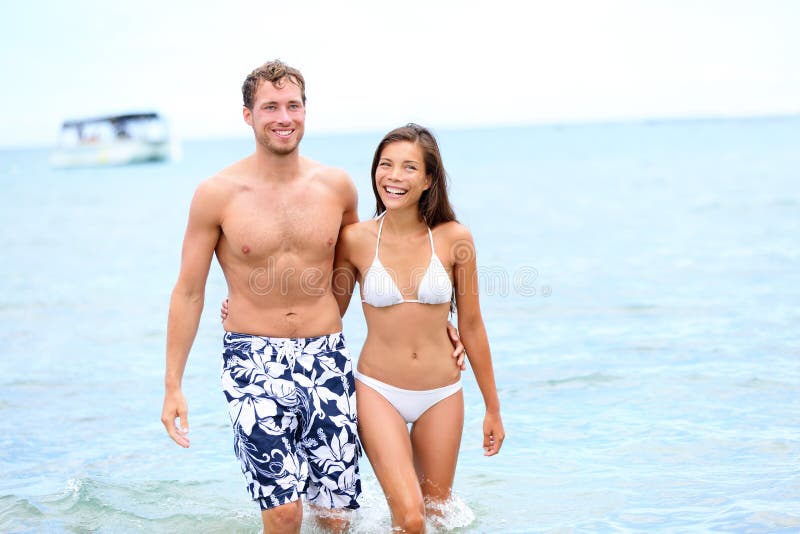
<point>273,221</point>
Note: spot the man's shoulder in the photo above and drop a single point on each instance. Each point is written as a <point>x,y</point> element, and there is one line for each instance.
<point>226,181</point>
<point>326,173</point>
<point>214,188</point>
<point>217,190</point>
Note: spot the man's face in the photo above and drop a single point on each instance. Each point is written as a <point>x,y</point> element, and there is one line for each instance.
<point>278,116</point>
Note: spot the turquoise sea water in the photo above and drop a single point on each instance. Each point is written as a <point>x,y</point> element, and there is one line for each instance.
<point>641,292</point>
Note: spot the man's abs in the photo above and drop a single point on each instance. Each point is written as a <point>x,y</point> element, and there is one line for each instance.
<point>285,295</point>
<point>304,319</point>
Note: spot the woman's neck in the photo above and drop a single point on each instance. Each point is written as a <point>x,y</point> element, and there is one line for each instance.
<point>403,222</point>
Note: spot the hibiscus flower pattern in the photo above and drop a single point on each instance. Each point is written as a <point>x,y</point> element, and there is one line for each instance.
<point>293,408</point>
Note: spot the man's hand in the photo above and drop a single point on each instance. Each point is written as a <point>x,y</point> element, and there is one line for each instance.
<point>459,352</point>
<point>223,310</point>
<point>175,408</point>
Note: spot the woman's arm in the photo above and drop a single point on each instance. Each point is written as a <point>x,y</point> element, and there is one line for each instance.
<point>473,335</point>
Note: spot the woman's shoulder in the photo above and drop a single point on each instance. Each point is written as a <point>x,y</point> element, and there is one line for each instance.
<point>456,239</point>
<point>355,233</point>
<point>452,231</point>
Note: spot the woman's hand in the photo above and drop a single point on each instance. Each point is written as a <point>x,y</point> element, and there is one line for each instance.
<point>493,433</point>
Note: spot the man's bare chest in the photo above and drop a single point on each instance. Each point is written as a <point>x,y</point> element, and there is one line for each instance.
<point>259,226</point>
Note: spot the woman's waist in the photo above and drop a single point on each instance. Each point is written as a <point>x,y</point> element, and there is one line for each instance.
<point>408,334</point>
<point>411,344</point>
<point>409,367</point>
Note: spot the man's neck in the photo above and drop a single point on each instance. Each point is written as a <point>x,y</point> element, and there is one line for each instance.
<point>277,167</point>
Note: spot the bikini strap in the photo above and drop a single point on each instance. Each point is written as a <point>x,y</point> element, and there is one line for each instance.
<point>380,229</point>
<point>430,234</point>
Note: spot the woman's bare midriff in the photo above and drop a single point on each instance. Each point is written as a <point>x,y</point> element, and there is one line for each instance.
<point>407,346</point>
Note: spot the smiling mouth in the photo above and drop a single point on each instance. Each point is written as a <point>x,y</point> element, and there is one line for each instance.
<point>394,192</point>
<point>283,133</point>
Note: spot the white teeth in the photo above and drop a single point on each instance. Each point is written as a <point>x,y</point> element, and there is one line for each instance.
<point>393,191</point>
<point>283,132</point>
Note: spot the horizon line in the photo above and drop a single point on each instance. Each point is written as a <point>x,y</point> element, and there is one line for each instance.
<point>566,123</point>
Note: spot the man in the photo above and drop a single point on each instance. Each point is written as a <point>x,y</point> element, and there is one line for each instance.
<point>273,221</point>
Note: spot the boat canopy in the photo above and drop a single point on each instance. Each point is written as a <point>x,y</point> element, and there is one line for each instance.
<point>113,119</point>
<point>143,126</point>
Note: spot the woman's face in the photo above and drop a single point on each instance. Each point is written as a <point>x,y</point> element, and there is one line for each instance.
<point>400,176</point>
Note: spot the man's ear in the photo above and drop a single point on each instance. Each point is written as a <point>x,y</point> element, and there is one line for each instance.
<point>247,113</point>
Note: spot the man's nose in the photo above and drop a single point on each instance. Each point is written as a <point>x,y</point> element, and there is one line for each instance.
<point>283,115</point>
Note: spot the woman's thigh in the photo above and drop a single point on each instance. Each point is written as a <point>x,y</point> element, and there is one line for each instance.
<point>386,441</point>
<point>435,440</point>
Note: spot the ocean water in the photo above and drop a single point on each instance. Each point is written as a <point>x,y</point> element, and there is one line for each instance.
<point>641,290</point>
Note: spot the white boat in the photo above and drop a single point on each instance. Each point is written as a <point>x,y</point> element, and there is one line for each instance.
<point>112,140</point>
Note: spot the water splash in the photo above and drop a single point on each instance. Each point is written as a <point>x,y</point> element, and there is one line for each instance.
<point>448,515</point>
<point>374,516</point>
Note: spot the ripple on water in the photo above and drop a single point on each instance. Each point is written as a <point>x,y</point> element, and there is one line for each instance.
<point>773,520</point>
<point>156,506</point>
<point>18,514</point>
<point>582,380</point>
<point>91,504</point>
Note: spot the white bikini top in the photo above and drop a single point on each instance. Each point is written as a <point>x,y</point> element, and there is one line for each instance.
<point>379,290</point>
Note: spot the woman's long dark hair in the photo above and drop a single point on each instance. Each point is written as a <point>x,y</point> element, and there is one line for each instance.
<point>434,204</point>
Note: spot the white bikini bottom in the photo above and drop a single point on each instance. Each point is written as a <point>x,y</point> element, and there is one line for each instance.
<point>409,403</point>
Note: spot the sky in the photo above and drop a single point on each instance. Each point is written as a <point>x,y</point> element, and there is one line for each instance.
<point>372,65</point>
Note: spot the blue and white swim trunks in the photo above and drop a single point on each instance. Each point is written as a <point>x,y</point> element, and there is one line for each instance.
<point>293,408</point>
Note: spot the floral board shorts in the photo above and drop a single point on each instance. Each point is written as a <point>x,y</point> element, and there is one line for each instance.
<point>293,408</point>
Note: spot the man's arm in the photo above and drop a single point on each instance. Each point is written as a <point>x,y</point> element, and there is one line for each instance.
<point>458,348</point>
<point>350,198</point>
<point>343,279</point>
<point>186,303</point>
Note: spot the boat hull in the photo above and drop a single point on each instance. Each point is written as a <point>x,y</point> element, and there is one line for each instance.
<point>122,152</point>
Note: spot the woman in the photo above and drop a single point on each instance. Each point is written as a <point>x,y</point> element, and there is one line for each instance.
<point>414,263</point>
